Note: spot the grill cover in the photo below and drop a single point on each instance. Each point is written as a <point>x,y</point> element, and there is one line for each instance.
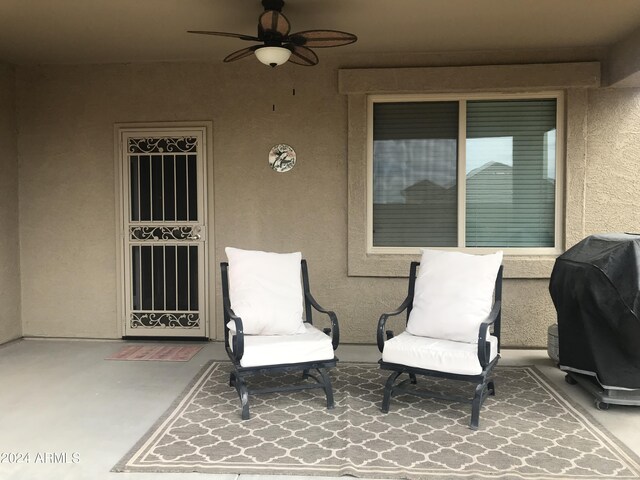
<point>595,287</point>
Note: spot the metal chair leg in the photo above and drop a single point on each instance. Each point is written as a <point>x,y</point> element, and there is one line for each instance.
<point>491,386</point>
<point>388,391</point>
<point>305,374</point>
<point>328,388</point>
<point>475,407</point>
<point>243,393</point>
<point>413,378</point>
<point>232,379</point>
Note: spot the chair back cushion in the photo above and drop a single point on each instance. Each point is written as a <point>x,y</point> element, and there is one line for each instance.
<point>265,291</point>
<point>453,294</point>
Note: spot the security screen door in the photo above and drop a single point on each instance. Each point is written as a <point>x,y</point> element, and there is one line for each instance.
<point>164,232</point>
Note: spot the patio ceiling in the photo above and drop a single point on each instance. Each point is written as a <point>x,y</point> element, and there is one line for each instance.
<point>105,31</point>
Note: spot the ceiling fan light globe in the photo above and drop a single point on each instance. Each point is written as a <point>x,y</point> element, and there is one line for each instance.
<point>273,56</point>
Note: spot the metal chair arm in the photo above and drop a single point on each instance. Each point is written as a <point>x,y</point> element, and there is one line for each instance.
<point>383,320</point>
<point>335,327</point>
<point>238,337</point>
<point>484,352</point>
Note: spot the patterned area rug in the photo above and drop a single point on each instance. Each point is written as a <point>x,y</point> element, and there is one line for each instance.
<point>528,431</point>
<point>167,353</point>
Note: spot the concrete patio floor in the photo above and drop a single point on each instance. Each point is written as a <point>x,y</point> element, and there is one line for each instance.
<point>62,397</point>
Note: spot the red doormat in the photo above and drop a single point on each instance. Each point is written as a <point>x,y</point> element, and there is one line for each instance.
<point>167,353</point>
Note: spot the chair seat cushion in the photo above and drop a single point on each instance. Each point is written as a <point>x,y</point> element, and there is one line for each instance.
<point>312,345</point>
<point>436,354</point>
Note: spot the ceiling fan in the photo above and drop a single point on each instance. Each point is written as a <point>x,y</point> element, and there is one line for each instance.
<point>278,45</point>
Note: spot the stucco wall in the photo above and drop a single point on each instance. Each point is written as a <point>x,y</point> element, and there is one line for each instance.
<point>67,201</point>
<point>10,326</point>
<point>612,201</point>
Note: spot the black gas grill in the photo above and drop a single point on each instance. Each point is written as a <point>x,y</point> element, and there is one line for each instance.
<point>595,287</point>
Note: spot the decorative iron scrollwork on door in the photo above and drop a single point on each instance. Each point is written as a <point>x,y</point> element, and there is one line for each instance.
<point>164,320</point>
<point>162,145</point>
<point>164,233</point>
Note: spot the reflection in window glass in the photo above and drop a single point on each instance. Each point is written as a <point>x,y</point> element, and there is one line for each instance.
<point>415,174</point>
<point>511,173</point>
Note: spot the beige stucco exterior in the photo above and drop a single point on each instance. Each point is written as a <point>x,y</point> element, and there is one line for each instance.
<point>67,199</point>
<point>612,195</point>
<point>10,325</point>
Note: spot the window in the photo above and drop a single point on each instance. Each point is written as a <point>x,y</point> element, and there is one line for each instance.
<point>470,172</point>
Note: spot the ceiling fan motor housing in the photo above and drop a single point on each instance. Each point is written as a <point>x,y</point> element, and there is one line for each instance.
<point>277,45</point>
<point>273,5</point>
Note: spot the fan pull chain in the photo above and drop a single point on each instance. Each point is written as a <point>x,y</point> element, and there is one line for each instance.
<point>273,106</point>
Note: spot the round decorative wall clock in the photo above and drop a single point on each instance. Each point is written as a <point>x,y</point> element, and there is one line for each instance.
<point>282,158</point>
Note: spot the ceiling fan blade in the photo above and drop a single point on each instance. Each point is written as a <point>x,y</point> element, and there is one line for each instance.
<point>322,38</point>
<point>303,56</point>
<point>225,34</point>
<point>273,21</point>
<point>238,54</point>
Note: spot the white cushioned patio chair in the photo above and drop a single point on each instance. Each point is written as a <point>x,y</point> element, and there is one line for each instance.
<point>453,327</point>
<point>265,332</point>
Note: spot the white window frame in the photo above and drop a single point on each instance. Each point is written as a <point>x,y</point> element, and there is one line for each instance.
<point>461,178</point>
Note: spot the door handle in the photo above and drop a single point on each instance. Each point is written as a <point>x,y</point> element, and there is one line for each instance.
<point>195,233</point>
